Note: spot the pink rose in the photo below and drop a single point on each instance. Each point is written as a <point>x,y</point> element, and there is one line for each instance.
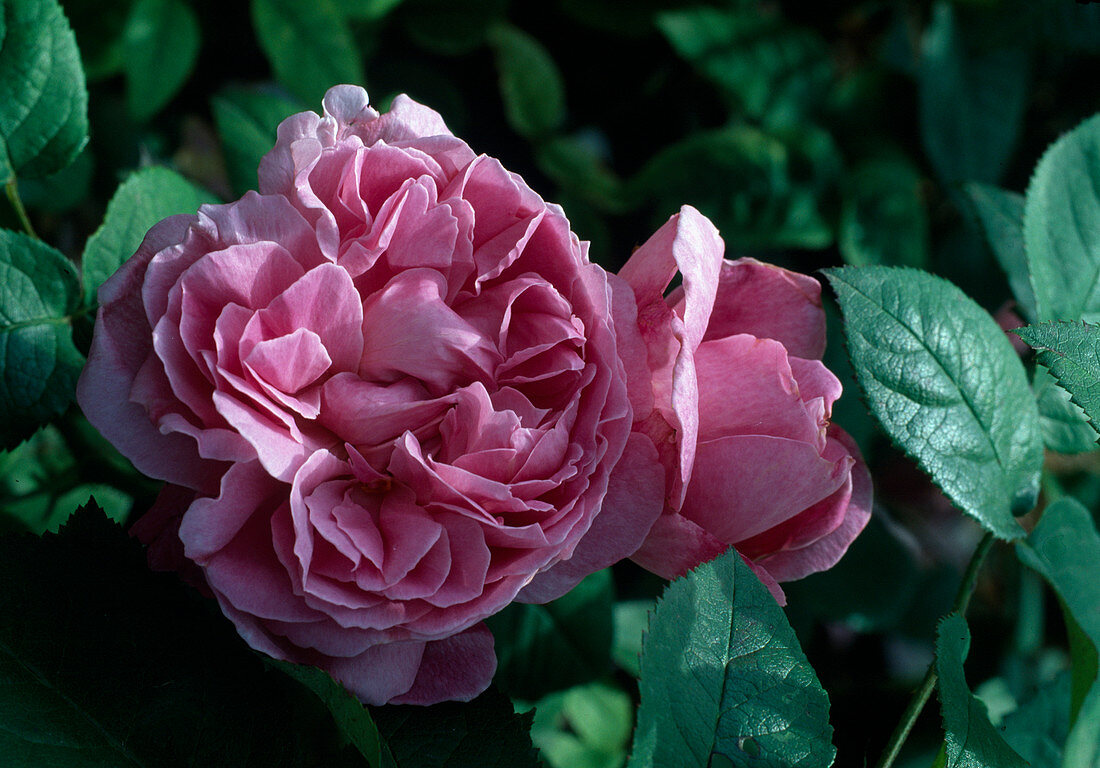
<point>387,397</point>
<point>737,406</point>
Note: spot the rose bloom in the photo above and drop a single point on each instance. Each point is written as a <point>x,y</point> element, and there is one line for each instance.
<point>737,410</point>
<point>387,398</point>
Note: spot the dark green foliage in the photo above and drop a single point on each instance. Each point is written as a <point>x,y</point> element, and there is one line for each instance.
<point>108,664</point>
<point>724,681</point>
<point>39,291</point>
<point>484,733</point>
<point>1072,353</point>
<point>544,648</point>
<point>972,741</point>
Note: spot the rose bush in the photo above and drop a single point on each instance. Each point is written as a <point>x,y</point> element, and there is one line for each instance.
<point>736,404</point>
<point>387,398</point>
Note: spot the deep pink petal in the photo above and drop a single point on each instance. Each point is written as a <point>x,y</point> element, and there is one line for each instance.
<point>675,545</point>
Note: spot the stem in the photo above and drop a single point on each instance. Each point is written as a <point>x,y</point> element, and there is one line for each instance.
<point>17,204</point>
<point>928,684</point>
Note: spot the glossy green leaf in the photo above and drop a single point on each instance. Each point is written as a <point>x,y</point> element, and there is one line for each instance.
<point>1071,351</point>
<point>483,733</point>
<point>724,681</point>
<point>308,45</point>
<point>544,648</point>
<point>247,122</point>
<point>774,71</point>
<point>1065,426</point>
<point>761,190</point>
<point>1062,227</point>
<point>585,727</point>
<point>43,100</point>
<point>146,197</point>
<point>629,620</point>
<point>1002,217</point>
<point>39,364</point>
<point>160,47</point>
<point>883,220</point>
<point>352,718</point>
<point>107,664</point>
<point>943,380</point>
<point>972,741</point>
<point>530,84</point>
<point>1065,548</point>
<point>971,103</point>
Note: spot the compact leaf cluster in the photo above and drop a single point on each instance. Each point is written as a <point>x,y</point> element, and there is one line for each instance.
<point>105,661</point>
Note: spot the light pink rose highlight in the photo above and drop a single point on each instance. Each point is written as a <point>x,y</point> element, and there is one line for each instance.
<point>729,390</point>
<point>387,397</point>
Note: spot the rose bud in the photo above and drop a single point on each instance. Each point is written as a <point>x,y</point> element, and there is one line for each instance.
<point>736,402</point>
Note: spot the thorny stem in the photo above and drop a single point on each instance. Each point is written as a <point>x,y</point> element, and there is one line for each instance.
<point>17,206</point>
<point>928,684</point>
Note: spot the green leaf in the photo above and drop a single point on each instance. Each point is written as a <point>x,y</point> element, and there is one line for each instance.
<point>39,364</point>
<point>62,191</point>
<point>146,197</point>
<point>883,220</point>
<point>724,681</point>
<point>107,664</point>
<point>530,84</point>
<point>1065,549</point>
<point>775,72</point>
<point>585,727</point>
<point>483,733</point>
<point>971,103</point>
<point>544,648</point>
<point>1037,729</point>
<point>451,27</point>
<point>43,100</point>
<point>629,619</point>
<point>972,741</point>
<point>368,10</point>
<point>1002,217</point>
<point>160,47</point>
<point>352,718</point>
<point>247,121</point>
<point>943,380</point>
<point>1062,227</point>
<point>577,167</point>
<point>1083,744</point>
<point>761,190</point>
<point>1065,426</point>
<point>308,45</point>
<point>1071,351</point>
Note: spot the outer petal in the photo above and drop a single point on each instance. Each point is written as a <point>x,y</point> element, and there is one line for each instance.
<point>825,552</point>
<point>675,545</point>
<point>768,302</point>
<point>121,345</point>
<point>633,503</point>
<point>456,668</point>
<point>688,242</point>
